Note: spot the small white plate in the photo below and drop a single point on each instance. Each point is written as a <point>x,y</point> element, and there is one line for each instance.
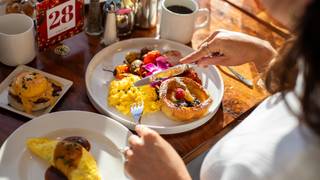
<point>97,84</point>
<point>4,88</point>
<point>105,135</point>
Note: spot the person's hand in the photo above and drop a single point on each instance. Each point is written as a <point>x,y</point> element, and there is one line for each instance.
<point>151,157</point>
<point>229,48</point>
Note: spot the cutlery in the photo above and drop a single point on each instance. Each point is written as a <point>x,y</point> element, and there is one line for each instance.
<point>136,111</point>
<point>172,71</point>
<point>245,81</point>
<point>179,69</point>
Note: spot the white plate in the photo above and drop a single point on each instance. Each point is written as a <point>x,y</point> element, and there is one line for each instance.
<point>97,82</point>
<point>105,135</point>
<point>4,88</point>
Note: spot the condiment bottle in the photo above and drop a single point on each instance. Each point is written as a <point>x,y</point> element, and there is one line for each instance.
<point>125,17</point>
<point>110,30</point>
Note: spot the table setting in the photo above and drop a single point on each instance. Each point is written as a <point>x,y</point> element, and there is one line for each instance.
<point>96,69</point>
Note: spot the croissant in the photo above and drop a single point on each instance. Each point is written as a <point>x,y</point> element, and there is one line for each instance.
<point>75,162</point>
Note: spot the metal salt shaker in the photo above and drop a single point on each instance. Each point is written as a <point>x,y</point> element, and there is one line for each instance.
<point>146,13</point>
<point>110,30</point>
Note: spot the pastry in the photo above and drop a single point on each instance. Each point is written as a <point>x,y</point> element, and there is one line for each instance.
<point>31,91</point>
<point>183,99</point>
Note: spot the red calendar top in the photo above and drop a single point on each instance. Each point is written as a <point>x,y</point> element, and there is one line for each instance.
<point>58,20</point>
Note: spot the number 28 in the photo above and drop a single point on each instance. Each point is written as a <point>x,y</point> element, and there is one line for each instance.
<point>66,16</point>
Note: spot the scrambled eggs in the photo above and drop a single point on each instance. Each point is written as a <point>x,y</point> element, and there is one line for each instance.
<point>122,94</point>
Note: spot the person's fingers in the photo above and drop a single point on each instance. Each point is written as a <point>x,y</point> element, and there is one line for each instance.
<point>128,153</point>
<point>204,51</point>
<point>145,132</point>
<point>209,38</point>
<point>140,129</point>
<point>195,56</point>
<point>203,66</point>
<point>212,61</point>
<point>128,165</point>
<point>134,141</point>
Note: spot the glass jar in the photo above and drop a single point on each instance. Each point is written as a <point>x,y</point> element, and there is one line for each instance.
<point>125,18</point>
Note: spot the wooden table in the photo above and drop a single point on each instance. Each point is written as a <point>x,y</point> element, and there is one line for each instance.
<point>238,99</point>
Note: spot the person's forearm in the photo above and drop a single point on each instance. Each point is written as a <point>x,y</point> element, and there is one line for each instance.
<point>184,175</point>
<point>263,51</point>
<point>267,54</point>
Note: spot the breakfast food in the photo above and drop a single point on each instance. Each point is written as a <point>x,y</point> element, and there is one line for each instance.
<point>68,156</point>
<point>20,6</point>
<point>183,99</point>
<point>32,91</point>
<point>146,62</point>
<point>173,56</point>
<point>179,102</point>
<point>122,94</point>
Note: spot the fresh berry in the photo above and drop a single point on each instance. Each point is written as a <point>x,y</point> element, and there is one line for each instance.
<point>180,93</point>
<point>181,103</point>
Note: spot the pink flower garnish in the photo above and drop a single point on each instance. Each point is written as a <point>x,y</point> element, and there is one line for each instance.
<point>150,67</point>
<point>162,62</point>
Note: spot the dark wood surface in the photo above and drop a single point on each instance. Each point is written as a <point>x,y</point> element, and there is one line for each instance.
<point>255,9</point>
<point>238,99</point>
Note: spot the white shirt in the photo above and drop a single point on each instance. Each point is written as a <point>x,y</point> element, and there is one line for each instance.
<point>269,144</point>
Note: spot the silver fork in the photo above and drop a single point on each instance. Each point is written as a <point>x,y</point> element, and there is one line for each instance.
<point>136,111</point>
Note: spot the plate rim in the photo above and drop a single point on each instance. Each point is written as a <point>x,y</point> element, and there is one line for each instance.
<point>66,86</point>
<point>10,140</point>
<point>160,129</point>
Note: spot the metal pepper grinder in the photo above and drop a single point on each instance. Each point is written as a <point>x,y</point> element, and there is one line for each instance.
<point>94,19</point>
<point>110,30</point>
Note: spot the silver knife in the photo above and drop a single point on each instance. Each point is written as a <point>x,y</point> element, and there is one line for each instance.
<point>241,78</point>
<point>172,71</point>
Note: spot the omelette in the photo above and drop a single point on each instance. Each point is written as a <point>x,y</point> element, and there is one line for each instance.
<point>74,161</point>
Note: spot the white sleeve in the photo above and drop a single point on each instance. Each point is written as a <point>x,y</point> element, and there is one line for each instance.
<point>233,171</point>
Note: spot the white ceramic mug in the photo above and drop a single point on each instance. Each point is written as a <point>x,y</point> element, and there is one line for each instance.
<point>17,40</point>
<point>180,27</point>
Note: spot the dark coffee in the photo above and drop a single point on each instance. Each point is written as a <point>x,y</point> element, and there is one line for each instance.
<point>180,9</point>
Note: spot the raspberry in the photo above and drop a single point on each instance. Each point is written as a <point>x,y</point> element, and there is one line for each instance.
<point>180,94</point>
